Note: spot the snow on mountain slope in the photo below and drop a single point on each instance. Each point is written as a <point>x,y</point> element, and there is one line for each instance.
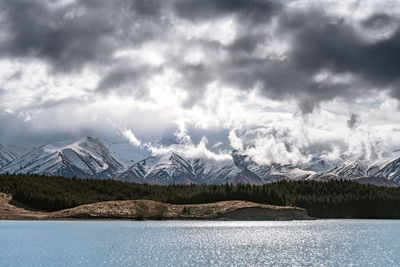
<point>270,172</point>
<point>170,168</point>
<point>84,159</point>
<point>9,153</point>
<point>257,173</point>
<point>6,155</point>
<point>319,165</point>
<point>390,170</point>
<point>349,170</point>
<point>19,150</point>
<point>98,158</point>
<point>387,167</point>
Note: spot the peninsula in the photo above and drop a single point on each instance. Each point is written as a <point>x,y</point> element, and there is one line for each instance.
<point>153,210</point>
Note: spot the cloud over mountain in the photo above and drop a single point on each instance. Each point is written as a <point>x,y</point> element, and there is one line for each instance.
<point>287,80</point>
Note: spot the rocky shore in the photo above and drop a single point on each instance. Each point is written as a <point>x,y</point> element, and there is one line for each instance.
<point>152,210</point>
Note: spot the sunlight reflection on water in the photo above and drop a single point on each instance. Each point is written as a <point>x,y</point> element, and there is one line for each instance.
<point>185,243</point>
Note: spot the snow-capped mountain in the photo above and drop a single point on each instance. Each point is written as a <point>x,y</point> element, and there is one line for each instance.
<point>6,155</point>
<point>85,158</point>
<point>386,172</point>
<point>349,170</point>
<point>168,169</point>
<point>173,168</point>
<point>389,170</point>
<point>98,158</point>
<point>10,153</point>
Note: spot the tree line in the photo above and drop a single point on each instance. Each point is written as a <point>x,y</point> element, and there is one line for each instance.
<point>330,199</point>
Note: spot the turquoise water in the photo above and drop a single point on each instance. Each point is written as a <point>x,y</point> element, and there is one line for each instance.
<point>205,243</point>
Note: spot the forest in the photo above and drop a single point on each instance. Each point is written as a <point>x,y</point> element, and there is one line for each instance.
<point>330,199</point>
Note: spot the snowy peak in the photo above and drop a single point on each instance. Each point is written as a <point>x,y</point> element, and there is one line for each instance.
<point>97,158</point>
<point>268,172</point>
<point>168,169</point>
<point>173,168</point>
<point>390,170</point>
<point>349,170</point>
<point>86,158</point>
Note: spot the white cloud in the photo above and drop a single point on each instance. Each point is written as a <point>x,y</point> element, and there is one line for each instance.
<point>60,105</point>
<point>191,150</point>
<point>128,134</point>
<point>221,30</point>
<point>235,142</point>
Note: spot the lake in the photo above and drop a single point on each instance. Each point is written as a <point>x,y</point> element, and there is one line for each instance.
<point>204,243</point>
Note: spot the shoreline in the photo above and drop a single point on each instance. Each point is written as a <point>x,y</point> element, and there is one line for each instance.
<point>2,219</point>
<point>151,210</point>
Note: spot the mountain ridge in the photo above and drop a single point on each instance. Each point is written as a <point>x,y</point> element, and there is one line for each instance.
<point>96,158</point>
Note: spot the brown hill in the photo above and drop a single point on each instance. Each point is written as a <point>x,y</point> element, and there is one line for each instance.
<point>152,210</point>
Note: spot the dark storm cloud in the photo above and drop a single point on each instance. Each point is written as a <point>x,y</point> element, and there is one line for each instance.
<point>377,21</point>
<point>255,10</point>
<point>197,77</point>
<point>90,31</point>
<point>127,80</point>
<point>83,32</point>
<point>319,42</point>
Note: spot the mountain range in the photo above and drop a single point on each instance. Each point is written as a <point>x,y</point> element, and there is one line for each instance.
<point>98,158</point>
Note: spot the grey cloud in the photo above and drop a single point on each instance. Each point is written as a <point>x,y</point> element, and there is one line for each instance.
<point>353,120</point>
<point>319,42</point>
<point>377,21</point>
<point>90,31</point>
<point>255,10</point>
<point>42,103</point>
<point>73,35</point>
<point>23,132</point>
<point>127,80</point>
<point>38,131</point>
<point>197,77</point>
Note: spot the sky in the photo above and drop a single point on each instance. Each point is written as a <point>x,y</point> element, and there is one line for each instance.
<point>281,81</point>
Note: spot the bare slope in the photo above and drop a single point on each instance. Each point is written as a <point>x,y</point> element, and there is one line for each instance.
<point>152,210</point>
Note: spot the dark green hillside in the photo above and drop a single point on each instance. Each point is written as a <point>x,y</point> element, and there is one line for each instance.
<point>332,199</point>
